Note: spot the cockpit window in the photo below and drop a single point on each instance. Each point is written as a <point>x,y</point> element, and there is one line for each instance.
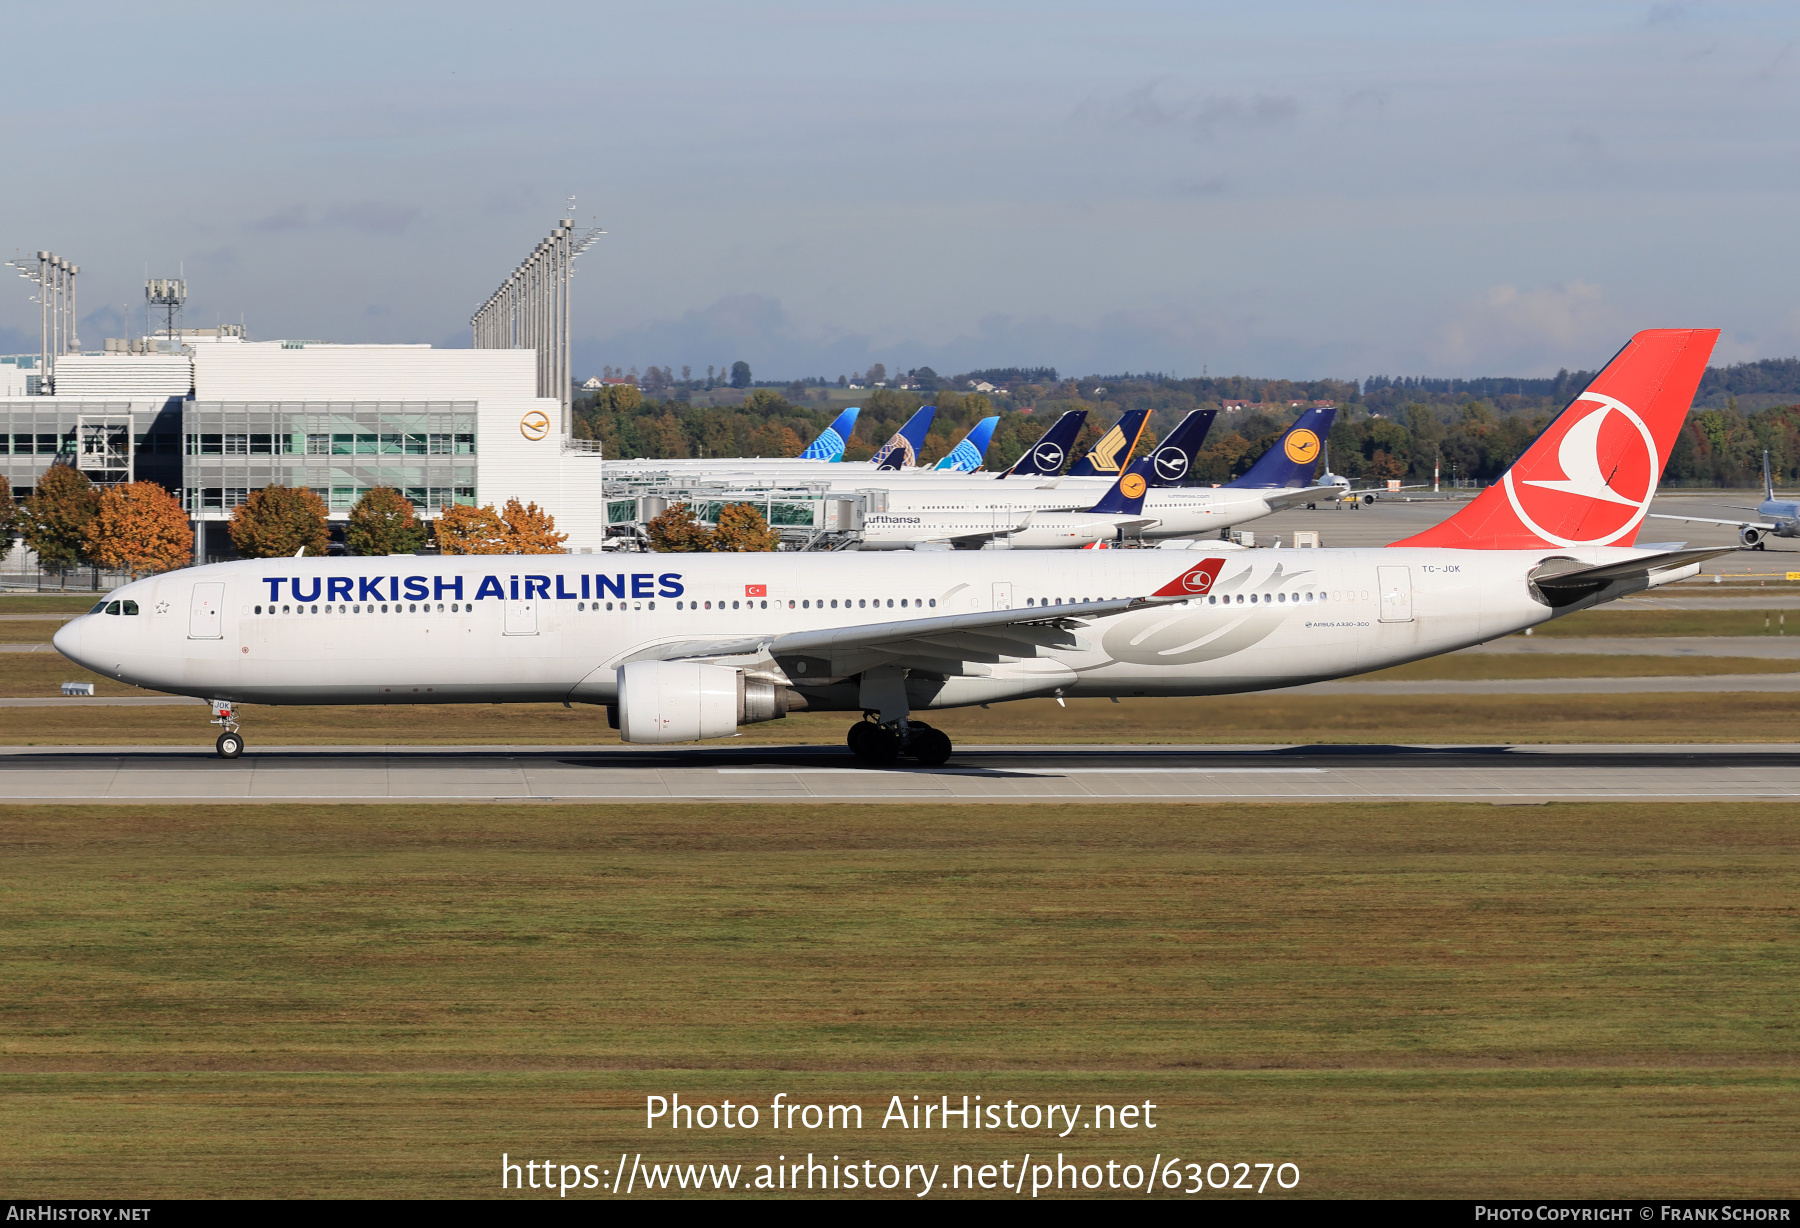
<point>112,607</point>
<point>130,607</point>
<point>99,608</point>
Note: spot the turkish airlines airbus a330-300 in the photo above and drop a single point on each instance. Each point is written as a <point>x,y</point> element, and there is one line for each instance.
<point>682,647</point>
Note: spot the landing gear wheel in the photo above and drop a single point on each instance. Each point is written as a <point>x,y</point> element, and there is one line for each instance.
<point>858,737</point>
<point>930,746</point>
<point>875,743</point>
<point>230,745</point>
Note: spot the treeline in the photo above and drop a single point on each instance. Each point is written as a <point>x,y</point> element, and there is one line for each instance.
<point>1387,428</point>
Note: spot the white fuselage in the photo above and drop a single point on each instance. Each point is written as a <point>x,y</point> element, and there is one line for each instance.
<point>1054,516</point>
<point>507,628</point>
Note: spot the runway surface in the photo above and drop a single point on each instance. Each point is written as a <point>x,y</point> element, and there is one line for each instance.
<point>1499,774</point>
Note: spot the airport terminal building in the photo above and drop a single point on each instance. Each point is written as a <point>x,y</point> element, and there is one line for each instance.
<point>223,417</point>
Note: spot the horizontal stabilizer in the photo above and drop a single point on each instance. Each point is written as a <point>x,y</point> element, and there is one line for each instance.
<point>1588,577</point>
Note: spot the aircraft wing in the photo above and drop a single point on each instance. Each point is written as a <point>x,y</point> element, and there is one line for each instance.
<point>1284,497</point>
<point>938,640</point>
<point>1736,524</point>
<point>1592,577</point>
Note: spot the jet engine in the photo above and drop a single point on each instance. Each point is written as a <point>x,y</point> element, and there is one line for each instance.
<point>1751,536</point>
<point>682,701</point>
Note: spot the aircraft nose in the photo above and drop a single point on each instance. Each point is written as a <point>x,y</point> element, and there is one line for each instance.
<point>68,637</point>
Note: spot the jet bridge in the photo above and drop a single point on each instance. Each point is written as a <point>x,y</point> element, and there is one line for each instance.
<point>807,517</point>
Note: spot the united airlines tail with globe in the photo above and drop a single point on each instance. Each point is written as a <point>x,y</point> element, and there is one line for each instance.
<point>682,647</point>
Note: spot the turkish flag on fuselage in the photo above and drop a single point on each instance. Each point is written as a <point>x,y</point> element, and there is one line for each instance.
<point>1589,478</point>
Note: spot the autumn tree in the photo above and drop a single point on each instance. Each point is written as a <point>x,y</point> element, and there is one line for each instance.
<point>57,516</point>
<point>678,531</point>
<point>9,517</point>
<point>528,529</point>
<point>277,521</point>
<point>741,528</point>
<point>471,530</point>
<point>383,522</point>
<point>139,527</point>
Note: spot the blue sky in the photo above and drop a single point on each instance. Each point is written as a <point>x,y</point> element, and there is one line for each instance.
<point>1274,189</point>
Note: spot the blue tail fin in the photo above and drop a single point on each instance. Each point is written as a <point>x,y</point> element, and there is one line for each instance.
<point>829,446</point>
<point>966,456</point>
<point>1050,453</point>
<point>1290,462</point>
<point>1173,459</point>
<point>1126,496</point>
<point>1114,449</point>
<point>902,451</point>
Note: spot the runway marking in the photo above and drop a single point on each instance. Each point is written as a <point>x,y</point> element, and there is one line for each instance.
<point>1024,771</point>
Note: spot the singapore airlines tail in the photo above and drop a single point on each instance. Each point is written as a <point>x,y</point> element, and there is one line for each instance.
<point>1290,462</point>
<point>966,456</point>
<point>1046,457</point>
<point>1115,447</point>
<point>1589,478</point>
<point>902,451</point>
<point>829,446</point>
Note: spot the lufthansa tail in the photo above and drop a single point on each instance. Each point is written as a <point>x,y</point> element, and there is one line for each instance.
<point>1050,453</point>
<point>1589,478</point>
<point>1125,497</point>
<point>1290,462</point>
<point>1173,459</point>
<point>1115,447</point>
<point>902,451</point>
<point>829,446</point>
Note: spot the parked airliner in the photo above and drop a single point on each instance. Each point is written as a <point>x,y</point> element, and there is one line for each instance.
<point>684,647</point>
<point>1781,517</point>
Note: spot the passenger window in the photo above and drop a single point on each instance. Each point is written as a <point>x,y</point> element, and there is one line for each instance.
<point>259,609</point>
<point>734,605</point>
<point>284,609</point>
<point>934,603</point>
<point>834,603</point>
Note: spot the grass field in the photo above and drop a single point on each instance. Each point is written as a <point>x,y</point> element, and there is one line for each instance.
<point>1612,620</point>
<point>1404,999</point>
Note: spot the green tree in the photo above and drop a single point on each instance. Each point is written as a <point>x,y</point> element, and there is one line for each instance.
<point>277,521</point>
<point>383,522</point>
<point>678,531</point>
<point>57,515</point>
<point>740,374</point>
<point>9,517</point>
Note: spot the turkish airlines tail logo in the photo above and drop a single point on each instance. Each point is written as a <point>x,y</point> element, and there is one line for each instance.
<point>1589,478</point>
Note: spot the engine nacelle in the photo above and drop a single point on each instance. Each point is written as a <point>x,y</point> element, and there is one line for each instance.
<point>1750,535</point>
<point>685,701</point>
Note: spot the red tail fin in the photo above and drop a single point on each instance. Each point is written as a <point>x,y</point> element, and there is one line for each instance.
<point>1588,479</point>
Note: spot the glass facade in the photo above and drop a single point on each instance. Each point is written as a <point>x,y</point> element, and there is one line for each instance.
<point>338,449</point>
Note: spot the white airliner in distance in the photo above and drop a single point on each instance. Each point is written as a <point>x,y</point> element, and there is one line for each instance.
<point>694,646</point>
<point>1782,515</point>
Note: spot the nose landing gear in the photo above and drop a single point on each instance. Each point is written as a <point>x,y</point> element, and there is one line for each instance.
<point>231,743</point>
<point>876,743</point>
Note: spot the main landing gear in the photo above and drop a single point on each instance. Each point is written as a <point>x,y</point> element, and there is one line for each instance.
<point>875,743</point>
<point>231,743</point>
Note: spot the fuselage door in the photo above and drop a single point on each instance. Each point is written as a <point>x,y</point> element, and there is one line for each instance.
<point>1003,595</point>
<point>521,618</point>
<point>204,621</point>
<point>1396,593</point>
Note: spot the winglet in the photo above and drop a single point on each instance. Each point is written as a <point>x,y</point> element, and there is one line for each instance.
<point>1196,581</point>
